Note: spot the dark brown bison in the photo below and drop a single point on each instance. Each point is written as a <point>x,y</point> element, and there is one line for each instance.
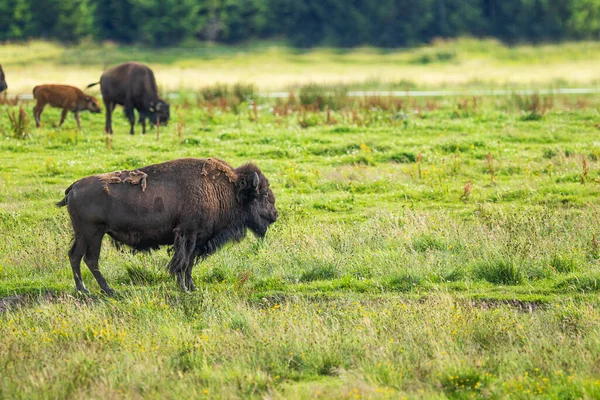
<point>194,205</point>
<point>68,98</point>
<point>133,86</point>
<point>3,85</point>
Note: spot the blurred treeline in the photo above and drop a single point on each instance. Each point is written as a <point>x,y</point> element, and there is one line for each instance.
<point>344,23</point>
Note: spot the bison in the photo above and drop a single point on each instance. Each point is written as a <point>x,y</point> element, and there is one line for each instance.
<point>3,85</point>
<point>193,205</point>
<point>133,86</point>
<point>68,98</point>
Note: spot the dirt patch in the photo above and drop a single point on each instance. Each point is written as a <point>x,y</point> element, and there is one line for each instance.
<point>21,300</point>
<point>12,302</point>
<point>132,177</point>
<point>524,306</point>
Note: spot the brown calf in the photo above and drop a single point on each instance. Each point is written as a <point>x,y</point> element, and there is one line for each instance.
<point>68,98</point>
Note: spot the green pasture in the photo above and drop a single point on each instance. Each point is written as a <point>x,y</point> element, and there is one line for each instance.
<point>436,248</point>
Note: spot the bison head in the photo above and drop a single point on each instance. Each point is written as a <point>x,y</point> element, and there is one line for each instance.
<point>160,112</point>
<point>257,198</point>
<point>92,104</point>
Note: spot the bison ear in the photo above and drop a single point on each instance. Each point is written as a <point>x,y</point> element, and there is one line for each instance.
<point>88,98</point>
<point>247,187</point>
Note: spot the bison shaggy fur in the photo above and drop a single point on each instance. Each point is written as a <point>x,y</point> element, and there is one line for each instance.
<point>193,205</point>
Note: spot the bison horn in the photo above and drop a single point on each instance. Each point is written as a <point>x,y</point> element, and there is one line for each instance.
<point>158,106</point>
<point>255,181</point>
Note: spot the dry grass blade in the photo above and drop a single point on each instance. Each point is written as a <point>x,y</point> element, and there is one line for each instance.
<point>18,123</point>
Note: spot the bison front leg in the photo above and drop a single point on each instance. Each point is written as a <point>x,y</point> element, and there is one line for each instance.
<point>188,276</point>
<point>76,114</point>
<point>142,120</point>
<point>183,254</point>
<point>63,116</point>
<point>129,113</point>
<point>37,114</point>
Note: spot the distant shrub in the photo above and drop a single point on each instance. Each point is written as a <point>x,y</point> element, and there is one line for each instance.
<point>233,95</point>
<point>534,106</point>
<point>322,96</point>
<point>441,56</point>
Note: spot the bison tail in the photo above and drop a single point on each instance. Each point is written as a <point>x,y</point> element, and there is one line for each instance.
<point>34,90</point>
<point>91,84</point>
<point>64,201</point>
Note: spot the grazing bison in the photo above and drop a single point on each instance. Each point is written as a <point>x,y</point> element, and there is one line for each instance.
<point>3,85</point>
<point>133,86</point>
<point>68,98</point>
<point>194,205</point>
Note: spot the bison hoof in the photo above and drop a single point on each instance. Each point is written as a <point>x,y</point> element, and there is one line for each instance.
<point>108,292</point>
<point>82,289</point>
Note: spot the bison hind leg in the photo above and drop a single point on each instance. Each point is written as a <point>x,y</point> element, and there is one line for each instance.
<point>75,255</point>
<point>93,242</point>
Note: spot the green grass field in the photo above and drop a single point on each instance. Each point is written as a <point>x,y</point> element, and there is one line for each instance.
<point>443,248</point>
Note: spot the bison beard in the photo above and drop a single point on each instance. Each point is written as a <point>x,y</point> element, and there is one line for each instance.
<point>194,205</point>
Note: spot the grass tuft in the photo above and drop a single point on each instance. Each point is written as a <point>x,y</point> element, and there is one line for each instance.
<point>405,282</point>
<point>321,272</point>
<point>504,271</point>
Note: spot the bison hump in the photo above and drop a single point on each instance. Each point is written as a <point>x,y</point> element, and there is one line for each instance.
<point>213,168</point>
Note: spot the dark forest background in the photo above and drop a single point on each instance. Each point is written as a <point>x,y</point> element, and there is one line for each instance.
<point>303,23</point>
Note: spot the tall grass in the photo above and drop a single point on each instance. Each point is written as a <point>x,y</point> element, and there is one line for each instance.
<point>385,276</point>
<point>19,123</point>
